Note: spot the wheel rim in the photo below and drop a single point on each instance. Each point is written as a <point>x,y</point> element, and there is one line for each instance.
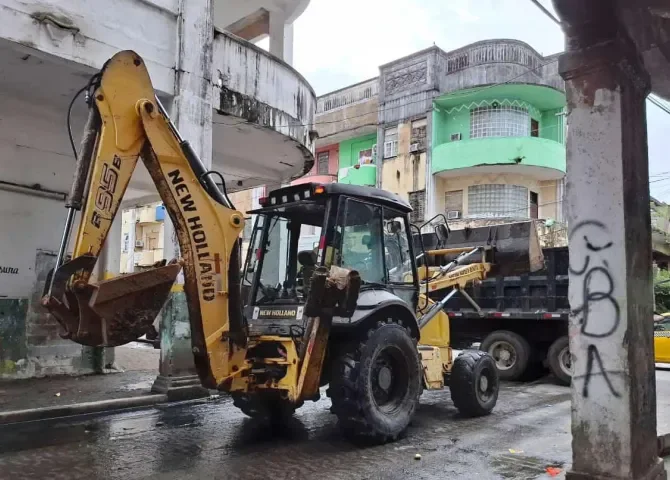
<point>389,379</point>
<point>504,354</point>
<point>565,361</point>
<point>485,385</point>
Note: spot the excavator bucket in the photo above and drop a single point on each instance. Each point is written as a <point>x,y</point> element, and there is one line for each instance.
<point>112,312</point>
<point>515,247</point>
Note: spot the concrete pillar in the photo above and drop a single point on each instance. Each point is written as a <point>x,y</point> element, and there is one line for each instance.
<point>192,114</point>
<point>430,208</point>
<point>610,293</point>
<point>108,266</point>
<point>281,37</point>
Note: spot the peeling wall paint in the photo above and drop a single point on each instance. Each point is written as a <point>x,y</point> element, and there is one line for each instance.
<point>76,30</point>
<point>263,90</point>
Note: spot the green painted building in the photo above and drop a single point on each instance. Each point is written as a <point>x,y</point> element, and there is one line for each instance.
<point>356,161</point>
<point>474,133</point>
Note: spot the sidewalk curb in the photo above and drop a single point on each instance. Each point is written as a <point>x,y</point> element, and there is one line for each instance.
<point>43,413</point>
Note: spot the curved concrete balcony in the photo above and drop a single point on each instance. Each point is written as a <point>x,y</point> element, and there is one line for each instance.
<point>537,157</point>
<point>364,175</point>
<point>264,110</point>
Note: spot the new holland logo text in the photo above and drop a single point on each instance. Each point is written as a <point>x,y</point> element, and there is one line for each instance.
<point>197,232</point>
<point>268,312</point>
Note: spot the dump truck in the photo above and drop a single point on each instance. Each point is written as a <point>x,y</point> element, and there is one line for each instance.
<point>522,316</point>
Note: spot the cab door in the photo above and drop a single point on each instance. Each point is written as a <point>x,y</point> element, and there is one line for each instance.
<point>662,341</point>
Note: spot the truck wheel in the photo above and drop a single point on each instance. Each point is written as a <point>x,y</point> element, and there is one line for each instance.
<point>510,352</point>
<point>474,383</point>
<point>266,407</point>
<point>560,360</point>
<point>375,386</point>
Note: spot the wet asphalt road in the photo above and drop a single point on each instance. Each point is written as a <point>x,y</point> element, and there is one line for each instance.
<point>213,439</point>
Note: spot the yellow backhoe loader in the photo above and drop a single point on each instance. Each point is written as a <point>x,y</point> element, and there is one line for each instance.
<point>346,314</point>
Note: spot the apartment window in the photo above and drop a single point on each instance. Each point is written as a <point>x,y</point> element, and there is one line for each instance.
<point>499,121</point>
<point>322,163</point>
<point>534,128</point>
<point>419,133</point>
<point>365,157</point>
<point>493,200</point>
<point>391,142</point>
<point>417,200</point>
<point>453,204</point>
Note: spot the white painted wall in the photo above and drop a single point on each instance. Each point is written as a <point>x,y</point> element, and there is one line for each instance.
<point>33,149</point>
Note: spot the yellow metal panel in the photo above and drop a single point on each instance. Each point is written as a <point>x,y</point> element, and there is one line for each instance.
<point>433,375</point>
<point>435,332</point>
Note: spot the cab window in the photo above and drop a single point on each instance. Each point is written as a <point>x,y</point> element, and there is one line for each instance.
<point>397,249</point>
<point>361,243</point>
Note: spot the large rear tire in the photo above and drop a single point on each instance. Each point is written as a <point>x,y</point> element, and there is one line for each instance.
<point>560,360</point>
<point>375,386</point>
<point>265,406</point>
<point>510,351</point>
<point>474,383</point>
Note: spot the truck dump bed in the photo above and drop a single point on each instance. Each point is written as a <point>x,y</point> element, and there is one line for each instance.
<point>539,295</point>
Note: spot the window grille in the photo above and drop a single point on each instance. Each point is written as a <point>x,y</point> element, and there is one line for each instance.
<point>499,121</point>
<point>417,200</point>
<point>491,201</point>
<point>322,163</point>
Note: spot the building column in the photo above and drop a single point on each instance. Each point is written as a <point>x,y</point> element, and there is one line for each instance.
<point>192,114</point>
<point>430,208</point>
<point>281,37</point>
<point>610,293</point>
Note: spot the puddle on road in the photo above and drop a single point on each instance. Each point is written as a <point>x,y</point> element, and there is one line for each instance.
<point>521,467</point>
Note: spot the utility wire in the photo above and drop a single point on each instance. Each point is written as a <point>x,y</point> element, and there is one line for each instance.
<point>546,12</point>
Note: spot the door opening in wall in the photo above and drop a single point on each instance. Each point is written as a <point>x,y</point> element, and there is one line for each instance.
<point>534,128</point>
<point>533,205</point>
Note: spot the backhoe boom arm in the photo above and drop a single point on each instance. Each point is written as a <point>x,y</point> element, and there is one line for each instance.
<point>126,122</point>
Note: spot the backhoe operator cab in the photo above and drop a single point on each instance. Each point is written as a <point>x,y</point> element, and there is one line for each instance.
<point>361,228</point>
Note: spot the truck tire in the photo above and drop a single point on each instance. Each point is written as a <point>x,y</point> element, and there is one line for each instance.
<point>510,351</point>
<point>265,406</point>
<point>560,360</point>
<point>474,383</point>
<point>376,384</point>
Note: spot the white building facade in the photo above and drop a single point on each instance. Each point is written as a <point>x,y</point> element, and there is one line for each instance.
<point>246,111</point>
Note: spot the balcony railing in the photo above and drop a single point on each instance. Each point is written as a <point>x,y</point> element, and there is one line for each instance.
<point>348,96</point>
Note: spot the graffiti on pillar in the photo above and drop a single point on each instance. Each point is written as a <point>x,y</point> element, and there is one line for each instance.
<point>597,291</point>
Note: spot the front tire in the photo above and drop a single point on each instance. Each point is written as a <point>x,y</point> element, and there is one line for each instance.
<point>474,383</point>
<point>376,385</point>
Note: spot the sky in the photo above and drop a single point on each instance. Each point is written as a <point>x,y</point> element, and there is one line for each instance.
<point>336,44</point>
